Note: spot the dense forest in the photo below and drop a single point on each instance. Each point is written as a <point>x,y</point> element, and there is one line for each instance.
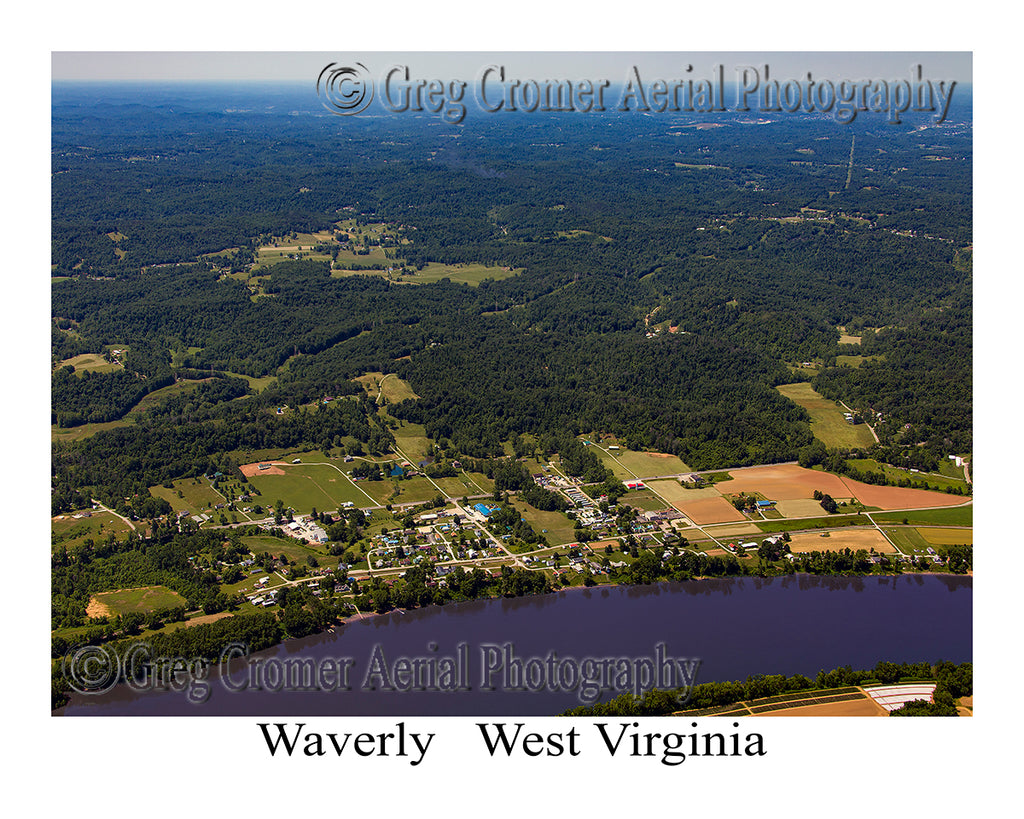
<point>744,247</point>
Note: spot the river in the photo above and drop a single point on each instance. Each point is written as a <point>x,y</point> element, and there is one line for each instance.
<point>735,627</point>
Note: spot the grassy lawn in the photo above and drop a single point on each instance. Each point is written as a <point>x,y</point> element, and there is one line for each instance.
<point>827,422</point>
<point>290,548</point>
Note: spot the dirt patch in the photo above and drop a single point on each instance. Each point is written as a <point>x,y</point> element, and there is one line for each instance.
<point>98,609</point>
<point>207,618</point>
<point>274,468</point>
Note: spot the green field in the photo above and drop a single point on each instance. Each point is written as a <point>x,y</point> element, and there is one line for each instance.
<point>560,529</point>
<point>909,540</point>
<point>827,422</point>
<point>196,495</point>
<point>143,601</point>
<point>308,485</point>
<point>951,516</point>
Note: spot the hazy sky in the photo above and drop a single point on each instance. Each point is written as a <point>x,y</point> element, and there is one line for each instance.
<point>305,66</point>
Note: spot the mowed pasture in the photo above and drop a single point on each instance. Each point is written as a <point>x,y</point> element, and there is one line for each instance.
<point>141,600</point>
<point>68,531</point>
<point>628,464</point>
<point>827,422</point>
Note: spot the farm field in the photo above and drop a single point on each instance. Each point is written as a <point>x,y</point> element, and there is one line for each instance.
<point>946,537</point>
<point>141,600</point>
<point>827,422</point>
<point>894,497</point>
<point>861,707</point>
<point>848,538</point>
<point>804,508</point>
<point>710,510</point>
<point>781,482</point>
<point>412,441</point>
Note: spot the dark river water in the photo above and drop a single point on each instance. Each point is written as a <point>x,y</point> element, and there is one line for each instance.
<point>549,646</point>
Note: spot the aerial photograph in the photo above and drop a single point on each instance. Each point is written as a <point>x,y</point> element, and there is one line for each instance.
<point>512,384</point>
